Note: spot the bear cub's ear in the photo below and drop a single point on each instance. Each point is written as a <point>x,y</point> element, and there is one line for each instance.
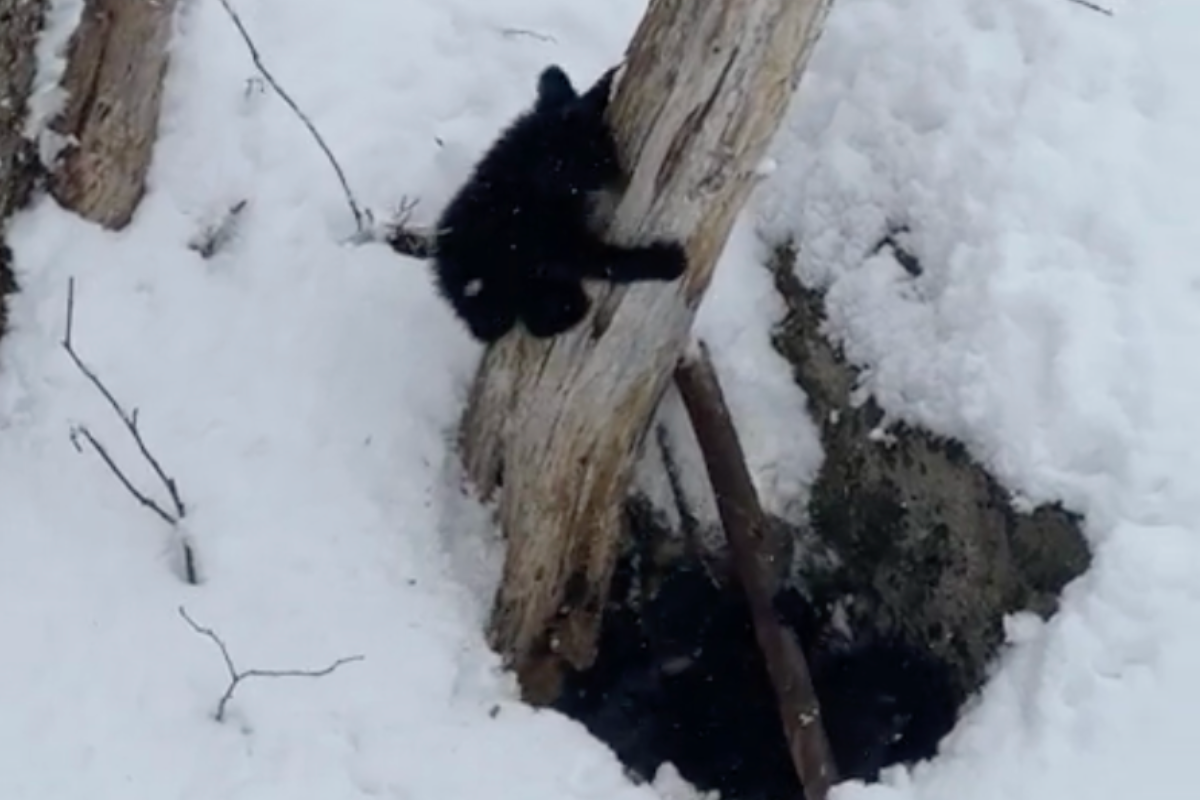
<point>554,90</point>
<point>595,101</point>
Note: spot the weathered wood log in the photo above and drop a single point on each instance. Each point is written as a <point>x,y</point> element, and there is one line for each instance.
<point>745,525</point>
<point>556,426</point>
<point>116,61</point>
<point>20,22</point>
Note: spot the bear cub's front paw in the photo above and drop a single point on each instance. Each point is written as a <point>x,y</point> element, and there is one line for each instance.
<point>666,260</point>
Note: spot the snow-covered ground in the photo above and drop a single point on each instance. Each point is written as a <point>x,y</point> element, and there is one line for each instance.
<point>1043,155</point>
<point>302,392</point>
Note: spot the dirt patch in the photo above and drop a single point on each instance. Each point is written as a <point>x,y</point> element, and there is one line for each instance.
<point>926,544</point>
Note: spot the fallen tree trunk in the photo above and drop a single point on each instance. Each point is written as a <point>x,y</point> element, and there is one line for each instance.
<point>20,22</point>
<point>116,62</point>
<point>745,526</point>
<point>555,427</point>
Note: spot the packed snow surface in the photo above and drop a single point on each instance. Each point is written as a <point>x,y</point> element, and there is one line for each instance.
<point>302,391</point>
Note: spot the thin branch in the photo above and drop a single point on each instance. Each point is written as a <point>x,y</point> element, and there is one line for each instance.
<point>211,634</point>
<point>512,33</point>
<point>403,212</point>
<point>71,317</point>
<point>128,419</point>
<point>236,677</point>
<point>1092,6</point>
<point>80,430</point>
<point>299,673</point>
<point>361,219</point>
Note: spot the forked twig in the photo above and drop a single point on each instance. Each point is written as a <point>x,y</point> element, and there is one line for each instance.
<point>236,676</point>
<point>405,239</point>
<point>81,430</point>
<point>130,421</point>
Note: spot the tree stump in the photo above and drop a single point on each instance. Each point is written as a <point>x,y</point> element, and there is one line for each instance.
<point>555,427</point>
<point>116,62</point>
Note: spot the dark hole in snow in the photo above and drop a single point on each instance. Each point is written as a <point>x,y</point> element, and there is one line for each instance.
<point>681,680</point>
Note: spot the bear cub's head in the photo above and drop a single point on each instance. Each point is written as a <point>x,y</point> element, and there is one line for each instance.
<point>577,151</point>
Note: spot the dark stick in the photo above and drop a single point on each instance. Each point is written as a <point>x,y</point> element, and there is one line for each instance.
<point>744,522</point>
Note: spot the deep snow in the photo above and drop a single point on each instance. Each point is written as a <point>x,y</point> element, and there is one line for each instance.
<point>302,391</point>
<point>1040,153</point>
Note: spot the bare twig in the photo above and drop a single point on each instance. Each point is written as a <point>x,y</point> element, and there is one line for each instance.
<point>745,524</point>
<point>402,238</point>
<point>361,218</point>
<point>130,419</point>
<point>81,430</point>
<point>407,240</point>
<point>402,213</point>
<point>512,33</point>
<point>1092,6</point>
<point>236,676</point>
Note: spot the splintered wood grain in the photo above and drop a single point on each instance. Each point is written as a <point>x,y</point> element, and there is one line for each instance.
<point>116,61</point>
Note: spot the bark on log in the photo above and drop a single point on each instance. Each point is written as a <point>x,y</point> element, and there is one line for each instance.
<point>20,22</point>
<point>745,525</point>
<point>556,426</point>
<point>116,62</point>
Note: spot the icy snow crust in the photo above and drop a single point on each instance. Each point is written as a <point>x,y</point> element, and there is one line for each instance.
<point>303,393</point>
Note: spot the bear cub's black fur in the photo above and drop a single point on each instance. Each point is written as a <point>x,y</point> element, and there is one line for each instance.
<point>516,241</point>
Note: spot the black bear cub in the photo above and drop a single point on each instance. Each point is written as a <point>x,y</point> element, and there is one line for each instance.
<point>516,241</point>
